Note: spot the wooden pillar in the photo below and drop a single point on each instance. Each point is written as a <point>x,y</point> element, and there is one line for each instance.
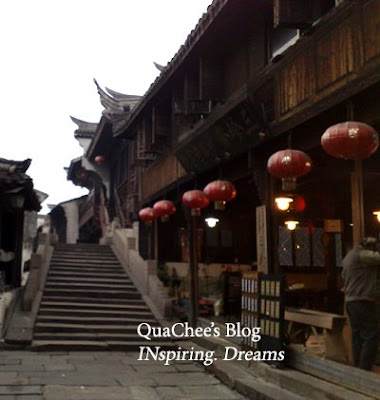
<point>330,263</point>
<point>194,291</point>
<point>155,241</point>
<point>357,202</point>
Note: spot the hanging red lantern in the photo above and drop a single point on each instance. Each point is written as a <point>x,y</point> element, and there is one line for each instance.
<point>163,209</point>
<point>350,140</point>
<point>148,215</point>
<point>83,176</point>
<point>288,165</point>
<point>100,160</point>
<point>298,204</point>
<point>220,192</point>
<point>195,199</point>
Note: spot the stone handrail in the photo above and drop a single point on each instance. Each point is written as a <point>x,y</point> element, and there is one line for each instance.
<point>39,265</point>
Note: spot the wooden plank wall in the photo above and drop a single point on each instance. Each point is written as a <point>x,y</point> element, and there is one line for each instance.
<point>161,175</point>
<point>371,27</point>
<point>330,60</point>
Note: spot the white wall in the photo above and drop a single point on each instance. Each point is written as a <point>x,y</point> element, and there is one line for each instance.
<point>72,219</point>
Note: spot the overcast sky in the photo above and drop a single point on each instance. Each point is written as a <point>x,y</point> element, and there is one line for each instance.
<point>52,50</point>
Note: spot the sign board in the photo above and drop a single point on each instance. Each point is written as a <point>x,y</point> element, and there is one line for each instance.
<point>333,225</point>
<point>261,239</point>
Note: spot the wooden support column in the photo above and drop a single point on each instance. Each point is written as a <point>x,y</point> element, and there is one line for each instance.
<point>155,241</point>
<point>194,292</point>
<point>357,201</point>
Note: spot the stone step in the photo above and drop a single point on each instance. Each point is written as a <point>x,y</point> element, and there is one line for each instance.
<point>69,311</point>
<point>103,320</point>
<point>53,278</point>
<point>80,245</point>
<point>86,270</point>
<point>92,265</point>
<point>115,294</point>
<point>138,308</point>
<point>84,260</point>
<point>82,274</point>
<point>99,336</point>
<point>90,303</point>
<point>80,327</point>
<point>89,285</point>
<point>92,300</point>
<point>79,345</point>
<point>84,263</point>
<point>81,252</point>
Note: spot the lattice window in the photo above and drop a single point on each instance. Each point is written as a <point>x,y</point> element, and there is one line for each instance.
<point>318,252</point>
<point>302,247</point>
<point>285,247</point>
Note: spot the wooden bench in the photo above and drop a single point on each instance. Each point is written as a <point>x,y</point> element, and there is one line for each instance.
<point>302,322</point>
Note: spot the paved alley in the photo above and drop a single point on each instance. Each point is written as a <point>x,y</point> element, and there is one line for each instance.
<point>26,375</point>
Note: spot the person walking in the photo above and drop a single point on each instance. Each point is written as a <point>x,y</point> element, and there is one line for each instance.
<point>359,275</point>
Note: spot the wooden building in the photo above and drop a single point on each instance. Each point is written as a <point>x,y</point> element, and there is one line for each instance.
<point>16,196</point>
<point>252,78</point>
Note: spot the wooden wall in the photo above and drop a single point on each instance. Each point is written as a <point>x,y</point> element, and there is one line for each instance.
<point>337,54</point>
<point>160,176</point>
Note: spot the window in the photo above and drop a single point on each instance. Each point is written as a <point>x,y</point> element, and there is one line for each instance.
<point>290,17</point>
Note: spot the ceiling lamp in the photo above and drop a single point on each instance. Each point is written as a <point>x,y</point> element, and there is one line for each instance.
<point>377,213</point>
<point>283,203</point>
<point>100,160</point>
<point>195,200</point>
<point>163,209</point>
<point>350,140</point>
<point>147,215</point>
<point>288,165</point>
<point>291,225</point>
<point>220,192</point>
<point>211,222</point>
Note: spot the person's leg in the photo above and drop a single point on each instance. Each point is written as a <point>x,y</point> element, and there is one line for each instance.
<point>368,334</point>
<point>353,312</point>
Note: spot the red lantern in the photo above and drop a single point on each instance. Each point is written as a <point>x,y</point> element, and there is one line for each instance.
<point>298,204</point>
<point>148,215</point>
<point>83,176</point>
<point>163,209</point>
<point>100,160</point>
<point>350,140</point>
<point>288,165</point>
<point>220,192</point>
<point>195,199</point>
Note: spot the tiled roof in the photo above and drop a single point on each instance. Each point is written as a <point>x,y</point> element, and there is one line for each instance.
<point>85,129</point>
<point>117,107</point>
<point>13,180</point>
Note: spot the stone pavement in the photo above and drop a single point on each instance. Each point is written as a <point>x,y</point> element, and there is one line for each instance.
<point>26,375</point>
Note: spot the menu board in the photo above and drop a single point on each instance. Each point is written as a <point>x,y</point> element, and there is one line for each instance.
<point>250,302</point>
<point>271,313</point>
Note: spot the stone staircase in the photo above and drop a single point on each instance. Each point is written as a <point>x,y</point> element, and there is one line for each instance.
<point>89,303</point>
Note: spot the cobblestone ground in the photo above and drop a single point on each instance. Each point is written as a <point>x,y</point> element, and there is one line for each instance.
<point>28,375</point>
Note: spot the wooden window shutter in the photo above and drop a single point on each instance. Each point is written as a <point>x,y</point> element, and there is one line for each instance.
<point>296,14</point>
